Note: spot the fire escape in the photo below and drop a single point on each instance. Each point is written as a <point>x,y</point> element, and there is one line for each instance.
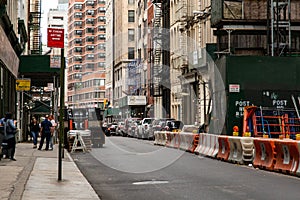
<point>183,17</point>
<point>280,27</point>
<point>161,50</point>
<point>157,50</point>
<point>34,24</point>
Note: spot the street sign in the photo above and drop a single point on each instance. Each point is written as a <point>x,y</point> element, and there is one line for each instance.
<point>55,38</point>
<point>23,84</point>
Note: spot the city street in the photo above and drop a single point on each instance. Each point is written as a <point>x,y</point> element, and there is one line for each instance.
<point>128,168</point>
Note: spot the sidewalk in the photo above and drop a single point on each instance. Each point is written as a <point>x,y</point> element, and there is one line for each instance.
<point>35,176</point>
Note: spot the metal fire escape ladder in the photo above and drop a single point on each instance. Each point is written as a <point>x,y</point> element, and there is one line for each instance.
<point>35,26</point>
<point>280,27</point>
<point>157,47</point>
<point>183,34</point>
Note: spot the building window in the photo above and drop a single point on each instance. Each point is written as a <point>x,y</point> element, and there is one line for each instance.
<point>58,17</point>
<point>101,37</point>
<point>101,55</point>
<point>78,15</point>
<point>101,64</point>
<point>130,1</point>
<point>78,23</point>
<point>101,19</point>
<point>90,48</point>
<point>78,6</point>
<point>130,35</point>
<point>90,21</point>
<point>101,28</point>
<point>130,52</point>
<point>90,39</point>
<point>90,56</point>
<point>101,46</point>
<point>90,12</point>
<point>90,30</point>
<point>130,15</point>
<point>101,10</point>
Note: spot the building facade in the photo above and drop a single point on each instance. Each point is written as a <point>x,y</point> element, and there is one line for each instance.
<point>86,53</point>
<point>12,30</point>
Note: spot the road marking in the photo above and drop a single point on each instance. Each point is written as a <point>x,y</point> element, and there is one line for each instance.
<point>150,182</point>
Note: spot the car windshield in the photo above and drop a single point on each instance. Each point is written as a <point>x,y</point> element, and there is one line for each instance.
<point>177,124</point>
<point>190,129</point>
<point>148,121</point>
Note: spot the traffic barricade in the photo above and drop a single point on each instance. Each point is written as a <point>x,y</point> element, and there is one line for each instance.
<point>265,154</point>
<point>201,143</point>
<point>224,148</point>
<point>79,140</point>
<point>213,145</point>
<point>287,158</point>
<point>236,151</point>
<point>170,138</point>
<point>156,138</point>
<point>188,141</point>
<point>176,143</point>
<point>298,169</point>
<point>196,142</point>
<point>248,149</point>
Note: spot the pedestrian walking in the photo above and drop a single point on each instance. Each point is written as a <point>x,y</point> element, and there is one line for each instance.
<point>34,130</point>
<point>52,130</point>
<point>10,131</point>
<point>45,133</point>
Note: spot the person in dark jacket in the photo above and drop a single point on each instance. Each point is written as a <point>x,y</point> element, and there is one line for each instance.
<point>34,129</point>
<point>45,133</point>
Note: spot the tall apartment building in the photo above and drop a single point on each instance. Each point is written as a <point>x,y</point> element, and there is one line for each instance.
<point>86,53</point>
<point>123,66</point>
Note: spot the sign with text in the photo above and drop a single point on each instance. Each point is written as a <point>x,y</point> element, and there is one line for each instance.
<point>55,38</point>
<point>23,84</point>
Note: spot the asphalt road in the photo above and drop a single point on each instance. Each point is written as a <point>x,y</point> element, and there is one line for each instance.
<point>128,168</point>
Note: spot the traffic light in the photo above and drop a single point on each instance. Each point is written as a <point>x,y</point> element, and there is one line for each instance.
<point>104,103</point>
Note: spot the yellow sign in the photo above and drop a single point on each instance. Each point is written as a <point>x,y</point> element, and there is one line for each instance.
<point>23,84</point>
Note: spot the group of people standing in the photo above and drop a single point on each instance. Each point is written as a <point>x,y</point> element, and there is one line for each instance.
<point>45,129</point>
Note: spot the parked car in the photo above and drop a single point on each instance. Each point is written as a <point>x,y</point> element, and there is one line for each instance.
<point>157,125</point>
<point>143,126</point>
<point>111,129</point>
<point>120,128</point>
<point>131,126</point>
<point>174,125</point>
<point>190,129</point>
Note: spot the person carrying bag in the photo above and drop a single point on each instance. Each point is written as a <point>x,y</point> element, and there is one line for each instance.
<point>10,131</point>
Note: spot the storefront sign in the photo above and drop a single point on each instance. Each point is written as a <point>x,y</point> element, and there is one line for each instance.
<point>8,55</point>
<point>23,84</point>
<point>136,100</point>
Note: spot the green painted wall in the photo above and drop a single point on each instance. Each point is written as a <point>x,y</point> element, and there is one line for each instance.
<point>263,81</point>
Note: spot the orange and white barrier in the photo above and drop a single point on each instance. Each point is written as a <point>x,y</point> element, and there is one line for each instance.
<point>236,150</point>
<point>287,158</point>
<point>160,138</point>
<point>173,139</point>
<point>265,154</point>
<point>188,141</point>
<point>208,145</point>
<point>224,148</point>
<point>248,149</point>
<point>298,170</point>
